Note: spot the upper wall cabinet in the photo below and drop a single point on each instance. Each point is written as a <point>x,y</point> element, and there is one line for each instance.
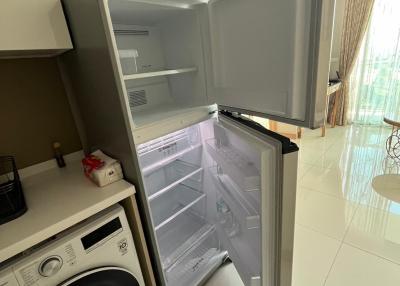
<point>32,28</point>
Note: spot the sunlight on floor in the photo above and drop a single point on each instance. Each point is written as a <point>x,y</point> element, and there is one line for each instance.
<point>346,233</point>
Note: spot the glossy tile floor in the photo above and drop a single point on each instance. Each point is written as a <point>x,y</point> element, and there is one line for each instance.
<point>346,234</point>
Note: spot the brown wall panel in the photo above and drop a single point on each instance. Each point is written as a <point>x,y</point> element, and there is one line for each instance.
<point>34,111</point>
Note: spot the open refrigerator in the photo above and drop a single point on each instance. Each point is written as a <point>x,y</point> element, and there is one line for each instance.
<point>167,86</point>
<point>214,192</point>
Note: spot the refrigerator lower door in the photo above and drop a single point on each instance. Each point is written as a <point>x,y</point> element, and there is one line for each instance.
<point>252,194</point>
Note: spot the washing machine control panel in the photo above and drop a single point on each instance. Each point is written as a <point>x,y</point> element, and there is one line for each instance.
<point>50,266</point>
<point>46,265</point>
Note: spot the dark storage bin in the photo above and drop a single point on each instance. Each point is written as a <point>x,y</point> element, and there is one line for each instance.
<point>12,201</point>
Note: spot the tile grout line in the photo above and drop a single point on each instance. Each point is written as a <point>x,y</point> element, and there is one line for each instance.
<point>327,194</point>
<point>371,253</point>
<point>341,245</point>
<point>319,232</point>
<point>333,262</point>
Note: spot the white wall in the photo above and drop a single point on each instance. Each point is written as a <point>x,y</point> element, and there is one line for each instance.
<point>337,33</point>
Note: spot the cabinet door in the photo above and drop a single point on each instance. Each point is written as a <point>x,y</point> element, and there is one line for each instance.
<point>263,57</point>
<point>247,176</point>
<point>33,27</point>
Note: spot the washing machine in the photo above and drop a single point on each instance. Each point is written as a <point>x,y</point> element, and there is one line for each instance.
<point>98,251</point>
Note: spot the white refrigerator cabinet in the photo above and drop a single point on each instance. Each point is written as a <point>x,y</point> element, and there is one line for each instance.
<point>162,86</point>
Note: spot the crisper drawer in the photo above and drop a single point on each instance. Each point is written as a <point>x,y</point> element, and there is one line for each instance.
<point>176,238</point>
<point>168,148</point>
<point>204,256</point>
<point>171,175</point>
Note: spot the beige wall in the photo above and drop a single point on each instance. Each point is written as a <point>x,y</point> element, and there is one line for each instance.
<point>34,111</point>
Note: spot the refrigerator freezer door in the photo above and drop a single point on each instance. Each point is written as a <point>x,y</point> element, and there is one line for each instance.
<point>248,173</point>
<point>263,57</point>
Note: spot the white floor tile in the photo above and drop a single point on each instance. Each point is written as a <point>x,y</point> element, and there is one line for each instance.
<point>376,231</point>
<point>336,205</point>
<point>379,201</point>
<point>313,256</point>
<point>336,182</point>
<point>310,155</point>
<point>354,267</point>
<point>303,168</point>
<point>324,213</point>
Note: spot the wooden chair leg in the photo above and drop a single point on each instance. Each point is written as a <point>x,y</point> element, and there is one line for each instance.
<point>299,132</point>
<point>323,130</point>
<point>334,110</point>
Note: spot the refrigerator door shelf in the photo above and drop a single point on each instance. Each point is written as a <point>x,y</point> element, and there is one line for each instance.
<point>174,203</point>
<point>197,263</point>
<point>164,179</point>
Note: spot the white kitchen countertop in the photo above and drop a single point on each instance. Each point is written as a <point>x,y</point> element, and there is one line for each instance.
<point>57,199</point>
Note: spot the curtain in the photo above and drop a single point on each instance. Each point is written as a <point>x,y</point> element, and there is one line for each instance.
<point>356,17</point>
<point>375,81</point>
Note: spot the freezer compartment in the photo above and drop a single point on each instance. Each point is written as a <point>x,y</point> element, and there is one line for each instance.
<point>198,262</point>
<point>161,58</point>
<point>181,235</point>
<point>170,205</point>
<point>161,151</point>
<point>235,164</point>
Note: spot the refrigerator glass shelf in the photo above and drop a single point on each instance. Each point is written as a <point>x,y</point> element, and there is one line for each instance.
<point>174,203</point>
<point>197,262</point>
<point>168,177</point>
<point>236,165</point>
<point>185,232</point>
<point>160,73</point>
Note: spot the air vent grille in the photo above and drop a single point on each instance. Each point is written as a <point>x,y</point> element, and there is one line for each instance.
<point>137,98</point>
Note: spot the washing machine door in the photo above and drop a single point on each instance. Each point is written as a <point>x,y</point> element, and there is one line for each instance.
<point>103,276</point>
